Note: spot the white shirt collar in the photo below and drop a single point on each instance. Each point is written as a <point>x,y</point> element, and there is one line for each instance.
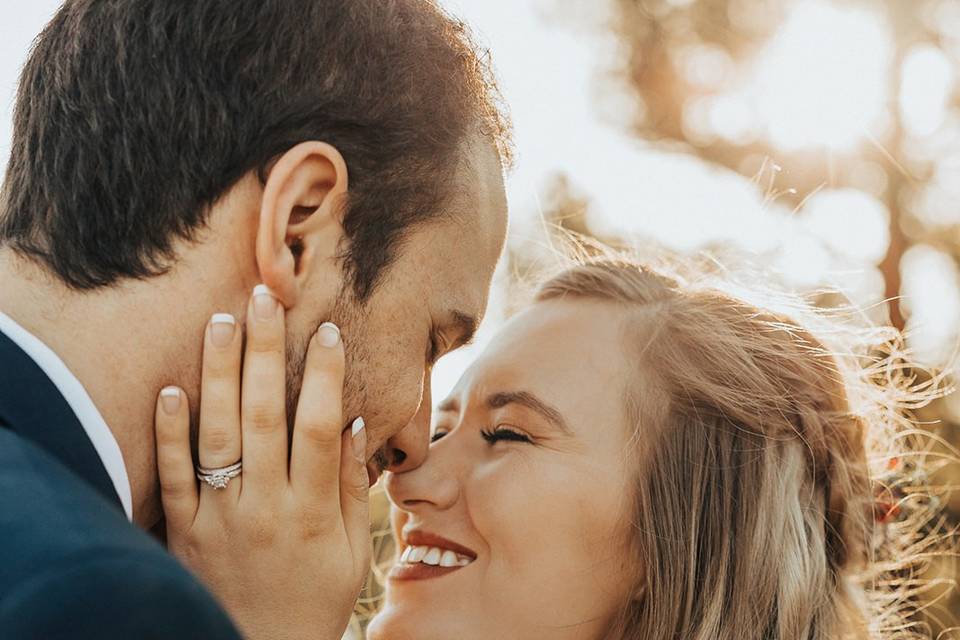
<point>80,402</point>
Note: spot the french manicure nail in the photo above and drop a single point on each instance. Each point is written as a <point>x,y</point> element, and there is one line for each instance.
<point>170,399</point>
<point>329,336</point>
<point>264,302</point>
<point>222,326</point>
<point>358,435</point>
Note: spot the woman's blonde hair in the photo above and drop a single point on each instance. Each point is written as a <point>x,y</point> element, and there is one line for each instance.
<point>762,453</point>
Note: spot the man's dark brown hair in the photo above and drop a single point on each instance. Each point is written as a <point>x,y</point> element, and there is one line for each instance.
<point>134,116</point>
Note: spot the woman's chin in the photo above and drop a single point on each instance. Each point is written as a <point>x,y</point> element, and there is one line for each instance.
<point>392,624</point>
<point>407,623</point>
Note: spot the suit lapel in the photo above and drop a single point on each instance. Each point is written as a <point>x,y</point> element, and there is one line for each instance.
<point>32,407</point>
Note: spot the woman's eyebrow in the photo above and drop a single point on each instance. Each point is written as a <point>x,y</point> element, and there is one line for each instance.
<point>532,402</point>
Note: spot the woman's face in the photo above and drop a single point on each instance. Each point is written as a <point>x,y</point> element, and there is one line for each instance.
<point>517,524</point>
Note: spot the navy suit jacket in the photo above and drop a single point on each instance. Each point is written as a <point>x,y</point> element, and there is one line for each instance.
<point>71,565</point>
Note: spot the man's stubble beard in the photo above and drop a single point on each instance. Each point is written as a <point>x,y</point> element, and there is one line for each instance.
<point>349,317</point>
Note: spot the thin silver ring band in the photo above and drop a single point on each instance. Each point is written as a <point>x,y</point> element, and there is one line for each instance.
<point>210,472</point>
<point>220,477</point>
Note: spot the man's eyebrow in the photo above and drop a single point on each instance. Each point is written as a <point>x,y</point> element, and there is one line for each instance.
<point>465,326</point>
<point>532,402</point>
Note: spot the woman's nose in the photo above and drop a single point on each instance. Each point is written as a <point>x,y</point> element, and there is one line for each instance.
<point>433,484</point>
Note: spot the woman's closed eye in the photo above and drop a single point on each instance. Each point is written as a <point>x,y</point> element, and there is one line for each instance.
<point>492,436</point>
<point>503,433</point>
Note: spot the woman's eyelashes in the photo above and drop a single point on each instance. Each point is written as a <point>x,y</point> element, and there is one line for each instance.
<point>492,436</point>
<point>503,433</point>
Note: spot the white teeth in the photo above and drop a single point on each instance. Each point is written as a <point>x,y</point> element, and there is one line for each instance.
<point>417,554</point>
<point>432,557</point>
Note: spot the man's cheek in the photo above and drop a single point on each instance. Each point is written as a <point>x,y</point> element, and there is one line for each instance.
<point>405,396</point>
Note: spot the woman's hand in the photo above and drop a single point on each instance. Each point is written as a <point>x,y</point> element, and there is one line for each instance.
<point>285,546</point>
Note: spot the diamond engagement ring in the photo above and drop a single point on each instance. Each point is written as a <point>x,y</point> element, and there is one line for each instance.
<point>219,478</point>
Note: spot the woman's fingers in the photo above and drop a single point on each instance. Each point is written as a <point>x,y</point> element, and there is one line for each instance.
<point>178,486</point>
<point>263,397</point>
<point>315,458</point>
<point>317,499</point>
<point>355,490</point>
<point>219,440</point>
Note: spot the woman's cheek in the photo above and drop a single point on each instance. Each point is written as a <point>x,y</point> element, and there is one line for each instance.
<point>515,504</point>
<point>398,518</point>
<point>521,499</point>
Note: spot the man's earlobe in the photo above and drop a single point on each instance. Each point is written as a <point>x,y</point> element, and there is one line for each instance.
<point>300,217</point>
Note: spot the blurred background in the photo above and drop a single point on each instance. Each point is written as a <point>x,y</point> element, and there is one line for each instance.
<point>819,137</point>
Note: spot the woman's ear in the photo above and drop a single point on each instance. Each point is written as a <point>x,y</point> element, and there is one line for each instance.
<point>300,226</point>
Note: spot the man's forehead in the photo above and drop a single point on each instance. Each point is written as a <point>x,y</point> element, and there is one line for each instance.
<point>458,299</point>
<point>480,197</point>
<point>466,243</point>
<point>462,266</point>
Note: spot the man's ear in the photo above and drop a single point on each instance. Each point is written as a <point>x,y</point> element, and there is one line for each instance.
<point>300,216</point>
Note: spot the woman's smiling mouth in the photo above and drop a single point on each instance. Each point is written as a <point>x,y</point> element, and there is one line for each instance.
<point>429,556</point>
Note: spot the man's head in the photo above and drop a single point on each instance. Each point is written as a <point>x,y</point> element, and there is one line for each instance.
<point>431,301</point>
<point>347,153</point>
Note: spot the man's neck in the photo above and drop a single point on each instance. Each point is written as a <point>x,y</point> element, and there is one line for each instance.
<point>122,349</point>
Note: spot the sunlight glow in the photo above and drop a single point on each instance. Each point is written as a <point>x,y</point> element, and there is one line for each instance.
<point>936,204</point>
<point>864,287</point>
<point>823,79</point>
<point>853,224</point>
<point>706,67</point>
<point>931,300</point>
<point>802,260</point>
<point>685,204</point>
<point>925,89</point>
<point>730,116</point>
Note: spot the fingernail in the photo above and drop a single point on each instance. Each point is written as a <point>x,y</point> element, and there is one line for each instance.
<point>170,399</point>
<point>222,326</point>
<point>328,335</point>
<point>264,302</point>
<point>358,435</point>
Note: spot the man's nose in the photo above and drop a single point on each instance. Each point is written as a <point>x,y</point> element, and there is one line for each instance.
<point>408,449</point>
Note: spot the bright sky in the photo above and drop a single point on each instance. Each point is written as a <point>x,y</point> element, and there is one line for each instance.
<point>568,120</point>
<point>20,22</point>
<point>547,71</point>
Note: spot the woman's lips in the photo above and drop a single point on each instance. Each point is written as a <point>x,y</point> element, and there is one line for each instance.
<point>427,555</point>
<point>402,571</point>
<point>413,537</point>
